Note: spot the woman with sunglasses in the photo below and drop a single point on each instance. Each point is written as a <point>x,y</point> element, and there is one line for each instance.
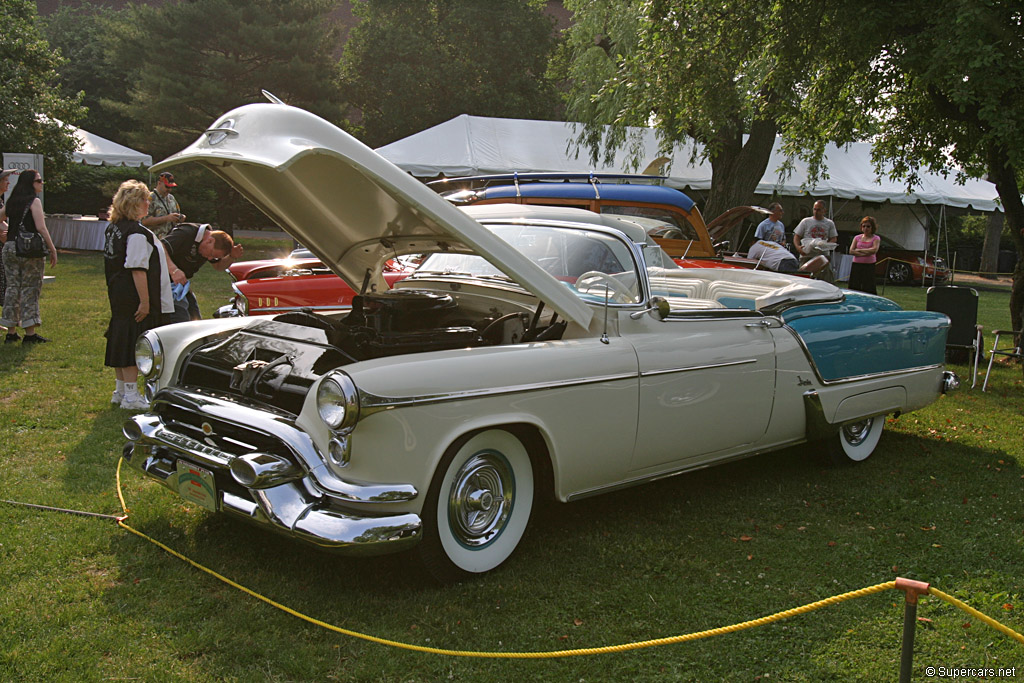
<point>24,211</point>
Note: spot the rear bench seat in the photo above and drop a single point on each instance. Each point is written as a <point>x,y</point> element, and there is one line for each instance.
<point>737,294</point>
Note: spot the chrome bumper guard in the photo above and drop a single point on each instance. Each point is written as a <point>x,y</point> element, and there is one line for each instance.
<point>285,501</point>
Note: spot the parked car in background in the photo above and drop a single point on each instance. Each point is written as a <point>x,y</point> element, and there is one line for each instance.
<point>279,285</point>
<point>901,266</point>
<point>669,216</point>
<point>537,352</point>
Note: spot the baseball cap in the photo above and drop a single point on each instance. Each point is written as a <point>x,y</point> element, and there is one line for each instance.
<point>7,172</point>
<point>168,179</point>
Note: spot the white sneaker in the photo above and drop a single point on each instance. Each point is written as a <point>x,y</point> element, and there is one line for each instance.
<point>116,398</point>
<point>135,402</point>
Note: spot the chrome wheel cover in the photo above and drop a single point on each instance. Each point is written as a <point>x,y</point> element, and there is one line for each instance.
<point>480,500</point>
<point>854,434</point>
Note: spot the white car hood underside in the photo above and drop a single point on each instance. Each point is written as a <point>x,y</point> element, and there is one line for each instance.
<point>349,205</point>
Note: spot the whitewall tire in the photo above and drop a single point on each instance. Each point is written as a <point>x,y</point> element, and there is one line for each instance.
<point>478,505</point>
<point>857,441</point>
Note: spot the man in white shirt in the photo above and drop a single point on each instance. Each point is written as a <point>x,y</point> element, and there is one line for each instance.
<point>816,227</point>
<point>773,256</point>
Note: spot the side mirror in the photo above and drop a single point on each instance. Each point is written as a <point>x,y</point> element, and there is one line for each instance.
<point>657,306</point>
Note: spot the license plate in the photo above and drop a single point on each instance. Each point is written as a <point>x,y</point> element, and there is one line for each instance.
<point>196,484</point>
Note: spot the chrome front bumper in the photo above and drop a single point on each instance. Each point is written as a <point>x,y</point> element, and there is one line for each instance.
<point>286,500</point>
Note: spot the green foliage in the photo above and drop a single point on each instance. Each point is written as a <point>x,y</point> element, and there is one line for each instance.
<point>81,35</point>
<point>35,117</point>
<point>191,62</point>
<point>195,60</point>
<point>411,65</point>
<point>944,82</point>
<point>695,72</point>
<point>90,188</point>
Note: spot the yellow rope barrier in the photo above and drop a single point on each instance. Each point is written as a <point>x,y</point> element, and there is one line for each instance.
<point>625,647</point>
<point>977,615</point>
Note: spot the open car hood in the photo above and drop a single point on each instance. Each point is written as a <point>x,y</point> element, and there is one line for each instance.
<point>346,203</point>
<point>733,217</point>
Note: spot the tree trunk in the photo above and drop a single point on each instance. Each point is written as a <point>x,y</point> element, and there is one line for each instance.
<point>736,169</point>
<point>990,250</point>
<point>1004,175</point>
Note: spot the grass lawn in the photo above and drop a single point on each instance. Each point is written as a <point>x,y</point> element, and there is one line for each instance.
<point>941,500</point>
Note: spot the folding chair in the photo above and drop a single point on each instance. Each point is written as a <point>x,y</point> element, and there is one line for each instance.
<point>960,304</point>
<point>1011,351</point>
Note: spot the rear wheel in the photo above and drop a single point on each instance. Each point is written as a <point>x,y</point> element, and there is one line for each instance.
<point>856,441</point>
<point>899,273</point>
<point>478,505</point>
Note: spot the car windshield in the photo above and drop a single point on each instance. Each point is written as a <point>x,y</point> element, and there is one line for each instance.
<point>589,262</point>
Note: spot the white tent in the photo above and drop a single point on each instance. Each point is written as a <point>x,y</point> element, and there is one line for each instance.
<point>475,145</point>
<point>96,151</point>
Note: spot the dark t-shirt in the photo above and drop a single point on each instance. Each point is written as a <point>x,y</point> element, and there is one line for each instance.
<point>14,223</point>
<point>183,246</point>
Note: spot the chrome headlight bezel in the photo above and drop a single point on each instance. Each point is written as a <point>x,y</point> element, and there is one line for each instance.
<point>337,401</point>
<point>149,355</point>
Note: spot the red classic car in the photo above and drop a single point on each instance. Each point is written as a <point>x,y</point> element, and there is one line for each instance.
<point>670,216</point>
<point>902,266</point>
<point>269,286</point>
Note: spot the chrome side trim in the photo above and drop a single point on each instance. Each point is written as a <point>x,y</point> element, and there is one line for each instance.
<point>372,403</point>
<point>295,308</point>
<point>668,371</point>
<point>149,429</point>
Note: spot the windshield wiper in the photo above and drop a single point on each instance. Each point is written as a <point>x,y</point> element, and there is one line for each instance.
<point>456,273</point>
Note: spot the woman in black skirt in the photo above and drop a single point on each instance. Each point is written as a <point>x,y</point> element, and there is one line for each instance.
<point>138,287</point>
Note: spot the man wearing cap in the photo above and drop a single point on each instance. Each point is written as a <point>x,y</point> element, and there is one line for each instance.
<point>189,247</point>
<point>164,212</point>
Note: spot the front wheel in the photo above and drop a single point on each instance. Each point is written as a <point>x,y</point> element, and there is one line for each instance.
<point>478,505</point>
<point>856,441</point>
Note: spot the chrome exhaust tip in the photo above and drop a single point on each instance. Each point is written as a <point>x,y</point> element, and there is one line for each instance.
<point>263,470</point>
<point>950,381</point>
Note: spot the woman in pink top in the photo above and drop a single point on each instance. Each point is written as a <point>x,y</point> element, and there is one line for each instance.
<point>864,249</point>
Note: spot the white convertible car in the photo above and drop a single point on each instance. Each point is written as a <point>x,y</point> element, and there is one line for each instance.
<point>535,352</point>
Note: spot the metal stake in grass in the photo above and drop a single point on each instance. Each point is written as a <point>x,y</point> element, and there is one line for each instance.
<point>911,590</point>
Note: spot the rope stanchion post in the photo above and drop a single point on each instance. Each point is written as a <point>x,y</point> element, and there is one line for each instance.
<point>911,589</point>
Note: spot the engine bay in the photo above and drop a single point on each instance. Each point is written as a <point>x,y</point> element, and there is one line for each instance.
<point>415,321</point>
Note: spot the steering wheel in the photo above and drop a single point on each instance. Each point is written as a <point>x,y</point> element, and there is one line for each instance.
<point>622,294</point>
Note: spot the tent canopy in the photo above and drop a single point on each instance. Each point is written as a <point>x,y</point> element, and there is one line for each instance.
<point>477,145</point>
<point>96,151</point>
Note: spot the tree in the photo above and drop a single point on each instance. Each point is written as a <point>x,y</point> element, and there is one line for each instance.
<point>81,34</point>
<point>411,65</point>
<point>34,116</point>
<point>944,82</point>
<point>196,60</point>
<point>193,61</point>
<point>728,76</point>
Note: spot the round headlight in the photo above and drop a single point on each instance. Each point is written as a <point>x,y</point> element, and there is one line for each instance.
<point>337,401</point>
<point>148,355</point>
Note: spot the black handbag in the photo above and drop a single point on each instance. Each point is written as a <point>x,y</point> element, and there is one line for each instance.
<point>29,244</point>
